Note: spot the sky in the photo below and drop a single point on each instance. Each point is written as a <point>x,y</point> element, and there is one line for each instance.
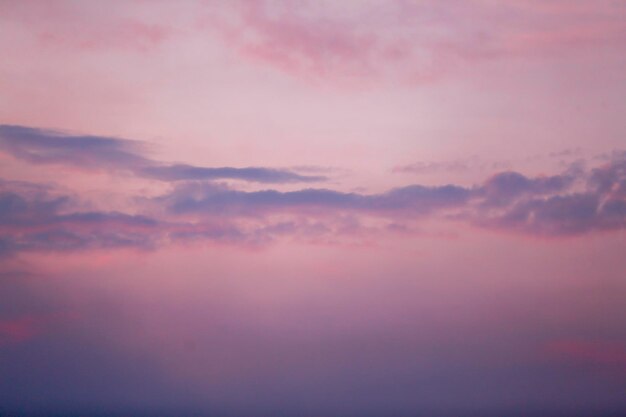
<point>313,208</point>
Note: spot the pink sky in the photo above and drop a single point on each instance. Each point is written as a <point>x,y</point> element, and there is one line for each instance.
<point>313,207</point>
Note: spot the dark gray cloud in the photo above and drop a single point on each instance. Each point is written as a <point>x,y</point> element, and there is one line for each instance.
<point>40,146</point>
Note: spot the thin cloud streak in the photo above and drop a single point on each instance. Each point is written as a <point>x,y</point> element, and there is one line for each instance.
<point>414,42</point>
<point>88,152</point>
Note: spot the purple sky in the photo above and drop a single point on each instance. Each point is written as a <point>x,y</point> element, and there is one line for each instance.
<point>313,208</point>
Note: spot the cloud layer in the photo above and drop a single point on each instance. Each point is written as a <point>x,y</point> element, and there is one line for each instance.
<point>407,41</point>
<point>106,153</point>
<point>37,217</point>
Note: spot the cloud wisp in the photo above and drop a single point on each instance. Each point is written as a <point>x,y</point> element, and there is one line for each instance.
<point>40,146</point>
<point>408,41</point>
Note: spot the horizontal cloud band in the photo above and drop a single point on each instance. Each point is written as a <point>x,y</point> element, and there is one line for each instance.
<point>39,217</point>
<point>107,153</point>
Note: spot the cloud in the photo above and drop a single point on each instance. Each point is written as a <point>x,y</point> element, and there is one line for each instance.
<point>415,199</point>
<point>37,217</point>
<point>406,41</point>
<point>423,167</point>
<point>188,172</point>
<point>77,26</point>
<point>611,177</point>
<point>572,203</point>
<point>40,146</point>
<point>44,221</point>
<point>570,214</point>
<point>504,187</point>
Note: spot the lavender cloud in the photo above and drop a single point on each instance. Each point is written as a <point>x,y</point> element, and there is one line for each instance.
<point>37,217</point>
<point>40,146</point>
<point>552,206</point>
<point>572,203</point>
<point>180,172</point>
<point>415,199</point>
<point>42,222</point>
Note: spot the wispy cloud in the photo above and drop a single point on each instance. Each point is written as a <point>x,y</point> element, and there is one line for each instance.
<point>41,146</point>
<point>181,172</point>
<point>71,25</point>
<point>407,41</point>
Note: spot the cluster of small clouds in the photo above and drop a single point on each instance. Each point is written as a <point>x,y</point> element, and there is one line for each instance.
<point>197,207</point>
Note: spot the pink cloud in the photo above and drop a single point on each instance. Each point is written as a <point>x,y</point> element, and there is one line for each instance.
<point>407,41</point>
<point>73,25</point>
<point>125,34</point>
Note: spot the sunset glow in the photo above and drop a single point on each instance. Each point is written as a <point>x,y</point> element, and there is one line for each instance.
<point>313,208</point>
